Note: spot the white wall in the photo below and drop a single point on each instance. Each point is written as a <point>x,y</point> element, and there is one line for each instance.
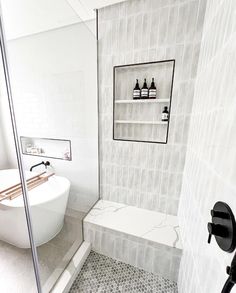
<point>24,17</point>
<point>210,170</point>
<point>3,157</point>
<point>7,146</point>
<point>55,96</point>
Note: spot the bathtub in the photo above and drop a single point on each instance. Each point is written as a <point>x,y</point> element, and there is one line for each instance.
<point>47,204</point>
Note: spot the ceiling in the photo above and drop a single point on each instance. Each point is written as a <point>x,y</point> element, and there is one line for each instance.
<point>26,17</point>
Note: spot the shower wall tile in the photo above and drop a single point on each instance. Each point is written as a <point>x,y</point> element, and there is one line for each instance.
<point>147,255</point>
<point>118,231</point>
<point>210,168</point>
<point>141,174</point>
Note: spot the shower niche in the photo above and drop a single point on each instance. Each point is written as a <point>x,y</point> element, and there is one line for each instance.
<point>142,119</point>
<point>46,147</point>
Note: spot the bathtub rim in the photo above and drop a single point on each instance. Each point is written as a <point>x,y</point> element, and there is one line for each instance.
<point>9,204</point>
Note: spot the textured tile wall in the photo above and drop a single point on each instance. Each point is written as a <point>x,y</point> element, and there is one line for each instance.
<point>210,169</point>
<point>142,174</point>
<point>147,255</point>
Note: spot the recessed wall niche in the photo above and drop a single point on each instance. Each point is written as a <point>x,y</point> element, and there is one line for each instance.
<point>142,119</point>
<point>46,147</point>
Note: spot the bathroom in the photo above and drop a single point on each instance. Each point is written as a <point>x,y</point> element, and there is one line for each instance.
<point>109,184</point>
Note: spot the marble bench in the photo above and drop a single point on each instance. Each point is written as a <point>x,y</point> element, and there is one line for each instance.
<point>145,239</point>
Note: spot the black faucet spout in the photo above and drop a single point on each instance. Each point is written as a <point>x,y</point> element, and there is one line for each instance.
<point>47,163</point>
<point>231,281</point>
<point>228,286</point>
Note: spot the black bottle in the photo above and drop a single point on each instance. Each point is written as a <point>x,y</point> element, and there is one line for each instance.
<point>152,93</point>
<point>136,91</point>
<point>144,90</point>
<point>165,114</point>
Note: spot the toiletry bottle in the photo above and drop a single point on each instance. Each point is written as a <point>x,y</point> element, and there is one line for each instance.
<point>28,148</point>
<point>144,90</point>
<point>152,93</point>
<point>165,114</point>
<point>136,91</point>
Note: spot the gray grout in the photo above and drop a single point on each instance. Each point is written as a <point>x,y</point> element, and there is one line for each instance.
<point>103,274</point>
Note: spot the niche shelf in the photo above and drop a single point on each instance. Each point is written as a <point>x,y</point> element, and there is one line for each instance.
<point>141,101</point>
<point>46,147</point>
<point>140,120</point>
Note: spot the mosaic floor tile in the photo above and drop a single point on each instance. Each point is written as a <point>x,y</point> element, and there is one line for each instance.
<point>105,275</point>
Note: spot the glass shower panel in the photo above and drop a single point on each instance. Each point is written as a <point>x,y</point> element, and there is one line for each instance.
<point>54,83</point>
<point>16,265</point>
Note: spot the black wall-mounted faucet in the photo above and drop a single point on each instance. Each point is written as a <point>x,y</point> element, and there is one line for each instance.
<point>223,227</point>
<point>231,281</point>
<point>47,163</point>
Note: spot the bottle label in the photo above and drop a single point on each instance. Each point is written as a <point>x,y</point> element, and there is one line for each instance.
<point>144,93</point>
<point>152,93</point>
<point>136,94</point>
<point>165,116</point>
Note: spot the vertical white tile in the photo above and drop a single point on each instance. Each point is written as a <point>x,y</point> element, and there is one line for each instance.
<point>147,31</point>
<point>209,157</point>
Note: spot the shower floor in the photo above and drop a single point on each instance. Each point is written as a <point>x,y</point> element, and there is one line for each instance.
<point>16,269</point>
<point>103,274</point>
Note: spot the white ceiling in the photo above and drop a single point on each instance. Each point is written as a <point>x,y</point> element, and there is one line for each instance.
<point>26,17</point>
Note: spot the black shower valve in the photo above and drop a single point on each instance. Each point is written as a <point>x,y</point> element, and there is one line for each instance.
<point>216,230</point>
<point>218,214</point>
<point>223,227</point>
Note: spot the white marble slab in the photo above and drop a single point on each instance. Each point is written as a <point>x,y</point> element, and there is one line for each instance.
<point>149,225</point>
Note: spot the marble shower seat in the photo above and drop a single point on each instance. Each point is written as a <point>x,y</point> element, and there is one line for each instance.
<point>146,239</point>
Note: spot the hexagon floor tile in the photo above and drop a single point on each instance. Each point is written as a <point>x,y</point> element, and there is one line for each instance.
<point>105,275</point>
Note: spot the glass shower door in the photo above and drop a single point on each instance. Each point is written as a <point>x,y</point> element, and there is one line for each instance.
<point>18,267</point>
<point>54,85</point>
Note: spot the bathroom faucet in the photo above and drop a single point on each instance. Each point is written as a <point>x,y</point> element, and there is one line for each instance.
<point>223,228</point>
<point>47,163</point>
<point>231,281</point>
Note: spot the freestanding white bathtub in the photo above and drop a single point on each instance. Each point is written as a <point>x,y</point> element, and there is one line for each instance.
<point>47,204</point>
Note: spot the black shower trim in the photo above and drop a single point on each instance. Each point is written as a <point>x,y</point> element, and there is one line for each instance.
<point>171,91</point>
